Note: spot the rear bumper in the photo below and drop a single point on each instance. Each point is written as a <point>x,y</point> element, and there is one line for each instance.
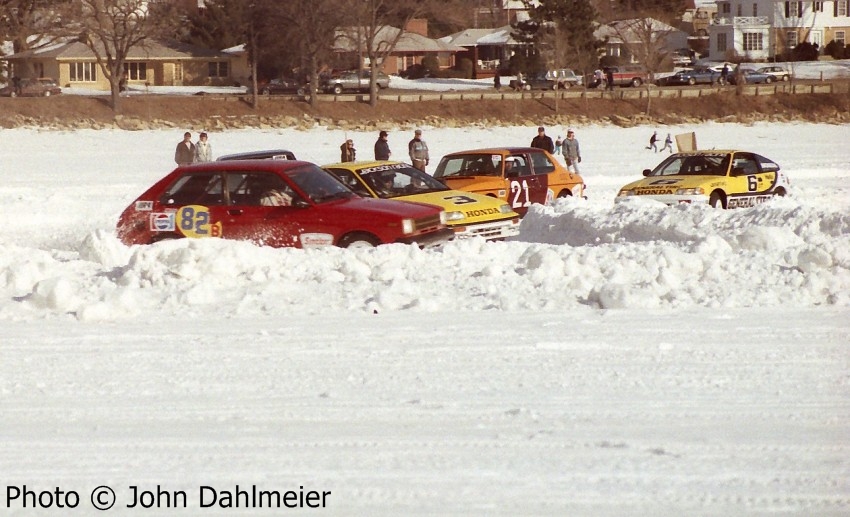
<point>429,240</point>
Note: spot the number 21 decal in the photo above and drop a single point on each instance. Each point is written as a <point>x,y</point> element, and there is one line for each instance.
<point>517,189</point>
<point>194,221</point>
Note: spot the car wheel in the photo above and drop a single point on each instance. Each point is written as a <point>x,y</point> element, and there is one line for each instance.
<point>13,94</point>
<point>636,82</point>
<point>358,241</point>
<point>46,93</point>
<point>784,78</point>
<point>337,89</point>
<point>565,193</point>
<point>266,91</point>
<point>300,92</point>
<point>780,192</point>
<point>717,200</point>
<point>692,81</point>
<point>527,87</point>
<point>769,79</point>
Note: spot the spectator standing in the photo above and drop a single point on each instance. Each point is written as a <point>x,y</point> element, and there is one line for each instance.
<point>724,74</point>
<point>572,152</point>
<point>497,80</point>
<point>558,143</point>
<point>418,150</point>
<point>185,152</point>
<point>382,147</point>
<point>653,142</point>
<point>16,84</point>
<point>541,141</point>
<point>668,143</point>
<point>609,78</point>
<point>347,151</point>
<point>203,149</point>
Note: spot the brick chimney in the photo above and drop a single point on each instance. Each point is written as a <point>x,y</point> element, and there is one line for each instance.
<point>417,26</point>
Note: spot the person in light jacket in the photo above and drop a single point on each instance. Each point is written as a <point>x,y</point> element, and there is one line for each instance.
<point>203,149</point>
<point>418,150</point>
<point>572,153</point>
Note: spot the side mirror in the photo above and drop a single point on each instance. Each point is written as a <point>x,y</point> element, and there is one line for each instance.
<point>647,172</point>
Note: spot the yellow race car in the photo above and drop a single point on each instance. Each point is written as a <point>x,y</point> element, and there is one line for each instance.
<point>467,213</point>
<point>724,179</point>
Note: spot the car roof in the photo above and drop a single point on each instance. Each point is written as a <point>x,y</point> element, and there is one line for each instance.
<point>364,164</point>
<point>498,150</point>
<point>269,154</point>
<point>255,165</point>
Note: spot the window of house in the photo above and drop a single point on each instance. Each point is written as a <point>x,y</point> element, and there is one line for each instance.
<point>83,72</point>
<point>839,37</point>
<point>136,71</point>
<point>793,9</point>
<point>840,7</point>
<point>721,43</point>
<point>724,7</point>
<point>218,69</point>
<point>753,41</point>
<point>739,10</point>
<point>817,7</point>
<point>755,9</point>
<point>791,39</point>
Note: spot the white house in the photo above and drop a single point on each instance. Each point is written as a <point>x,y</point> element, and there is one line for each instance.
<point>620,35</point>
<point>760,29</point>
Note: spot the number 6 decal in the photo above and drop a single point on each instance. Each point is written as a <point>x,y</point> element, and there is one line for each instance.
<point>517,189</point>
<point>752,184</point>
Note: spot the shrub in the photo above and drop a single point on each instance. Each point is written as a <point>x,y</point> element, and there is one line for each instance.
<point>805,51</point>
<point>464,66</point>
<point>431,64</point>
<point>835,49</point>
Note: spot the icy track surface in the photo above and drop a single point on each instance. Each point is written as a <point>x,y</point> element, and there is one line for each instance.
<point>611,360</point>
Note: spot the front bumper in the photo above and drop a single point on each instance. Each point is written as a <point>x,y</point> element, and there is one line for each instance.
<point>490,230</point>
<point>430,239</point>
<point>668,199</point>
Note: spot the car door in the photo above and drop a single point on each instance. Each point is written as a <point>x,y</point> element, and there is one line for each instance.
<point>524,187</point>
<point>245,217</point>
<point>748,181</point>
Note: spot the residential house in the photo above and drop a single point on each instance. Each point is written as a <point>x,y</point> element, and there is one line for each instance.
<point>153,63</point>
<point>488,49</point>
<point>758,30</point>
<point>621,35</point>
<point>412,45</point>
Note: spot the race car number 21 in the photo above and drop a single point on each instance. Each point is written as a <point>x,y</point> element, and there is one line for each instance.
<point>194,221</point>
<point>517,189</point>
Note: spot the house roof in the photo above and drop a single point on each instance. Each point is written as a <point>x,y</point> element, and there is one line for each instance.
<point>408,41</point>
<point>150,50</point>
<point>476,37</point>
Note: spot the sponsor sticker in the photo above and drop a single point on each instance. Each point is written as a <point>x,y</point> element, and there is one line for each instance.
<point>162,222</point>
<point>144,206</point>
<point>316,240</point>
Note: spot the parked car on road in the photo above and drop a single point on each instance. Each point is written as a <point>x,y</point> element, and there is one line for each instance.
<point>777,72</point>
<point>723,179</point>
<point>627,75</point>
<point>279,203</point>
<point>519,175</point>
<point>283,85</point>
<point>692,77</point>
<point>538,81</point>
<point>470,215</point>
<point>565,77</point>
<point>751,77</point>
<point>354,81</point>
<point>31,87</point>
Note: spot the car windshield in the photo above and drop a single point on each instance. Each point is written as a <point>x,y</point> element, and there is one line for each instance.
<point>319,185</point>
<point>470,165</point>
<point>400,179</point>
<point>693,165</point>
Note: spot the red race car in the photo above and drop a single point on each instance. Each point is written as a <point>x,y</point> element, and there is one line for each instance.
<point>274,203</point>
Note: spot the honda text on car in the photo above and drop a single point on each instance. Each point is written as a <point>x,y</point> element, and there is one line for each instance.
<point>467,213</point>
<point>274,203</point>
<point>518,175</point>
<point>723,179</point>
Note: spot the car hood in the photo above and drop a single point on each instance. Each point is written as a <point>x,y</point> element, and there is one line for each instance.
<point>386,207</point>
<point>476,208</point>
<point>661,185</point>
<point>473,183</point>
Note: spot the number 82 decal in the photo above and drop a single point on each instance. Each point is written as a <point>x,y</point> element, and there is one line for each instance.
<point>194,221</point>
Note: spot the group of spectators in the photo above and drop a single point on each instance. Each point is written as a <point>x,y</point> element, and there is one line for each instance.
<point>417,150</point>
<point>568,147</point>
<point>188,152</point>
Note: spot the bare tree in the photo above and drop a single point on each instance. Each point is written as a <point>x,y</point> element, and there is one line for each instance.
<point>31,24</point>
<point>111,28</point>
<point>380,26</point>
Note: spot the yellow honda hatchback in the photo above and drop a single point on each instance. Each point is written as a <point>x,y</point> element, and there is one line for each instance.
<point>467,213</point>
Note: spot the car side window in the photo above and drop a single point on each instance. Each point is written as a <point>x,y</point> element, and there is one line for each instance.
<point>195,189</point>
<point>351,181</point>
<point>766,165</point>
<point>517,165</point>
<point>541,163</point>
<point>744,164</point>
<point>256,188</point>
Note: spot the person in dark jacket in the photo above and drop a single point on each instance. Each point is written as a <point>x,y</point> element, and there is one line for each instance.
<point>185,152</point>
<point>382,147</point>
<point>347,151</point>
<point>541,141</point>
<point>609,79</point>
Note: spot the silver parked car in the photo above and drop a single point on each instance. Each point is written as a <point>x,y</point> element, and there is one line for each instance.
<point>564,78</point>
<point>354,81</point>
<point>778,73</point>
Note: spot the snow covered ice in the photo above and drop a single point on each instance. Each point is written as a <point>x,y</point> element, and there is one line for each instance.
<point>611,360</point>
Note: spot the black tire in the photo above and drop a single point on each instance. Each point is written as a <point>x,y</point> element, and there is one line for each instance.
<point>717,200</point>
<point>337,89</point>
<point>780,192</point>
<point>785,78</point>
<point>358,240</point>
<point>266,91</point>
<point>13,94</point>
<point>692,81</point>
<point>636,82</point>
<point>769,79</point>
<point>565,193</point>
<point>46,93</point>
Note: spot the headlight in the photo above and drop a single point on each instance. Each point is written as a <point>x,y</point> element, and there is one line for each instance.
<point>407,226</point>
<point>623,193</point>
<point>454,216</point>
<point>505,209</point>
<point>698,191</point>
<point>443,217</point>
